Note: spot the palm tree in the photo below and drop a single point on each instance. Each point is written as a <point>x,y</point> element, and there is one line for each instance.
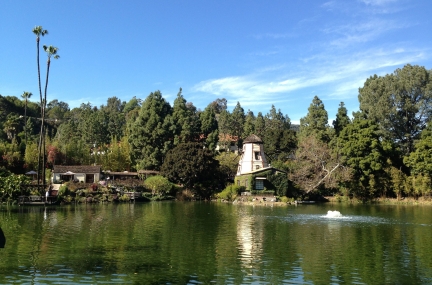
<point>10,126</point>
<point>39,31</point>
<point>26,96</point>
<point>51,53</point>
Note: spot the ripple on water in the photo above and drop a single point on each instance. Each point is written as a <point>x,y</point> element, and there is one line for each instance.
<point>348,220</point>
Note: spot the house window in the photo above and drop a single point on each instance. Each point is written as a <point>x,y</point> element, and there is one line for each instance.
<point>89,178</point>
<point>257,167</point>
<point>238,182</point>
<point>245,183</point>
<point>257,156</point>
<point>259,184</point>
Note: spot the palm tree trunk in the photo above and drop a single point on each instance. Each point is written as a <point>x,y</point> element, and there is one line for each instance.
<point>43,118</point>
<point>41,130</point>
<point>25,122</point>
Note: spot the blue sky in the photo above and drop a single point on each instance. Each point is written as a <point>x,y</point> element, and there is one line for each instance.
<point>256,52</point>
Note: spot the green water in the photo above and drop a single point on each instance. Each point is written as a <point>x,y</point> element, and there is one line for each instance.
<point>216,243</point>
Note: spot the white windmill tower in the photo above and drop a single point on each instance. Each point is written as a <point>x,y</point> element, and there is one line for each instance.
<point>252,158</point>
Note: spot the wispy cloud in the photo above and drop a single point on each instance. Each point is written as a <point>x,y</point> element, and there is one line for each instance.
<point>378,2</point>
<point>361,32</point>
<point>343,53</point>
<point>342,75</point>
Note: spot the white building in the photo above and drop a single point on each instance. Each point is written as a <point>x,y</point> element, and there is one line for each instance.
<point>253,157</point>
<point>253,168</point>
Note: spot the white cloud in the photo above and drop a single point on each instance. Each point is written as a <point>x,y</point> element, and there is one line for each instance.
<point>341,74</point>
<point>378,2</point>
<point>361,32</point>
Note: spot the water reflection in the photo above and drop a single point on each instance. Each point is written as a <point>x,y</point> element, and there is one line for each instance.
<point>209,243</point>
<point>248,243</point>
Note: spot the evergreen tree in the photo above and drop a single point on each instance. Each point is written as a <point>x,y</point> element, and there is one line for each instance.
<point>113,119</point>
<point>237,121</point>
<point>316,121</point>
<point>150,136</point>
<point>224,120</point>
<point>183,121</point>
<point>249,125</point>
<point>259,125</point>
<point>279,139</point>
<point>342,119</point>
<point>132,104</point>
<point>363,150</point>
<point>209,128</point>
<point>420,160</point>
<point>275,120</point>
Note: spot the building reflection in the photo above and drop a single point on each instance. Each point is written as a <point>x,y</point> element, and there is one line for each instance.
<point>250,236</point>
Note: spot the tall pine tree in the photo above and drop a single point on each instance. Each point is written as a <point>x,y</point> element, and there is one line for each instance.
<point>151,136</point>
<point>316,121</point>
<point>342,119</point>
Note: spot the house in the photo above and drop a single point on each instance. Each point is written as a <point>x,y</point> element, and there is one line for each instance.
<point>253,169</point>
<point>227,143</point>
<point>120,175</point>
<point>82,173</point>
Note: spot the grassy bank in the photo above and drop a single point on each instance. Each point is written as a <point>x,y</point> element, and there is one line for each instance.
<point>389,201</point>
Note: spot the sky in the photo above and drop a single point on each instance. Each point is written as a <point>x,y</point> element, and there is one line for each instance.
<point>257,53</point>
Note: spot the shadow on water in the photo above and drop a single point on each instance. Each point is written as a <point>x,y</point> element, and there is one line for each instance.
<point>2,239</point>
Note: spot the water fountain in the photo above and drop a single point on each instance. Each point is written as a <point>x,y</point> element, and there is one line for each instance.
<point>333,214</point>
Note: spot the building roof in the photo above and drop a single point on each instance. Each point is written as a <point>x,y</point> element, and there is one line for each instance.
<point>148,172</point>
<point>252,139</point>
<point>120,173</point>
<point>77,168</point>
<point>264,169</point>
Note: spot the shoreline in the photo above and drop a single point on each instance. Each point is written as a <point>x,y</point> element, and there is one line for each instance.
<point>334,200</point>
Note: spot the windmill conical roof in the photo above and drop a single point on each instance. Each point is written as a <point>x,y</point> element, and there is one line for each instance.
<point>253,139</point>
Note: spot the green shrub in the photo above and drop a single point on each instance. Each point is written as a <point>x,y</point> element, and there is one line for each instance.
<point>262,192</point>
<point>11,185</point>
<point>158,185</point>
<point>124,198</point>
<point>63,191</point>
<point>284,199</point>
<point>67,199</point>
<point>230,192</point>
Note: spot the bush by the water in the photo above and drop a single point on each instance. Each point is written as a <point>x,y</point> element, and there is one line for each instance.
<point>230,192</point>
<point>158,185</point>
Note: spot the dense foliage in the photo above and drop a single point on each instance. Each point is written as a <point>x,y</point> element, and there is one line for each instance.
<point>158,185</point>
<point>194,167</point>
<point>383,150</point>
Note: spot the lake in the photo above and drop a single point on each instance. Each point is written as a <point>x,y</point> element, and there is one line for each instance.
<point>216,243</point>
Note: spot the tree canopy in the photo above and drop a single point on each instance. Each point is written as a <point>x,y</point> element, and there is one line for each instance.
<point>400,103</point>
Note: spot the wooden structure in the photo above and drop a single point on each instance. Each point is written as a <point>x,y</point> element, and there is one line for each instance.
<point>118,175</point>
<point>123,175</point>
<point>36,200</point>
<point>147,173</point>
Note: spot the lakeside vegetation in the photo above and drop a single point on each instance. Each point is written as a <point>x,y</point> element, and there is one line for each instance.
<point>383,150</point>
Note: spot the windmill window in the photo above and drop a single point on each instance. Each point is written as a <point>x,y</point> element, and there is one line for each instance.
<point>257,156</point>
